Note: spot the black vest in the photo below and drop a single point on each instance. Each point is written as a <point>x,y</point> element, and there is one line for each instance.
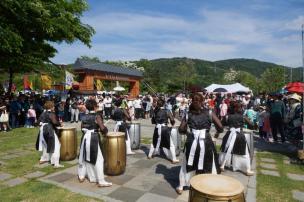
<point>199,121</point>
<point>161,116</point>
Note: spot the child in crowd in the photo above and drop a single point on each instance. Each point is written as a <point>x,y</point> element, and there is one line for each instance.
<point>261,116</point>
<point>61,111</point>
<point>252,116</point>
<point>266,125</point>
<point>31,117</point>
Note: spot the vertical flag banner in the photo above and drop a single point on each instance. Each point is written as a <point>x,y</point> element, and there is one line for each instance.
<point>69,79</point>
<point>99,85</point>
<point>26,82</point>
<point>46,82</point>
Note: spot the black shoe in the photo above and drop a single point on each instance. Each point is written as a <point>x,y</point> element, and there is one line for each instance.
<point>72,121</point>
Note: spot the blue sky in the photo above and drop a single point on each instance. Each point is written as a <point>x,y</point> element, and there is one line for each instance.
<point>268,30</point>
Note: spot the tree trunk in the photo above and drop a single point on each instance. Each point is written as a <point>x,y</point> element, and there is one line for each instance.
<point>10,84</point>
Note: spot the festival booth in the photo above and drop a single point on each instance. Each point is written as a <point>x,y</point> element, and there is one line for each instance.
<point>231,88</point>
<point>91,76</point>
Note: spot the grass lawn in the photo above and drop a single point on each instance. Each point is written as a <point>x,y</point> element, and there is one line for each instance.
<point>279,189</point>
<point>22,141</point>
<point>39,191</point>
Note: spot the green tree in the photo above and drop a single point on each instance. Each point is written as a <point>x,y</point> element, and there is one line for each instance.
<point>249,80</point>
<point>29,28</point>
<point>91,59</point>
<point>184,75</point>
<point>272,79</point>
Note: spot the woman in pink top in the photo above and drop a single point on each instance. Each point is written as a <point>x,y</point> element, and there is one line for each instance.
<point>31,117</point>
<point>223,109</point>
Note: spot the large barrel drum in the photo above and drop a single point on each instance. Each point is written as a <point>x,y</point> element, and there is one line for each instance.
<point>68,140</point>
<point>215,188</point>
<point>134,133</point>
<point>114,153</point>
<point>249,138</point>
<point>177,140</point>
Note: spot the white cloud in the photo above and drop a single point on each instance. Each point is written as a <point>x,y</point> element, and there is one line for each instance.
<point>213,35</point>
<point>295,24</point>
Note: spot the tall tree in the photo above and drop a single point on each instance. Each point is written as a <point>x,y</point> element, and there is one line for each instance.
<point>272,79</point>
<point>29,28</point>
<point>91,59</point>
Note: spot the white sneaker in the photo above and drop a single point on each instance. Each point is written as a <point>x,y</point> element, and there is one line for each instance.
<point>59,166</point>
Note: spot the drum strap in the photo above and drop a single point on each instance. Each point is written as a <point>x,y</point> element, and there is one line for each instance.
<point>87,140</point>
<point>118,123</point>
<point>230,142</point>
<point>199,137</point>
<point>41,137</point>
<point>159,127</point>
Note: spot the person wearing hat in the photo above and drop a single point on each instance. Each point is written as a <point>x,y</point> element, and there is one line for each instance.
<point>294,118</point>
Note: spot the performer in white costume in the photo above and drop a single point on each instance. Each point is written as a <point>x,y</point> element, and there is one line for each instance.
<point>90,157</point>
<point>121,115</point>
<point>47,140</point>
<point>200,154</point>
<point>161,136</point>
<point>235,149</point>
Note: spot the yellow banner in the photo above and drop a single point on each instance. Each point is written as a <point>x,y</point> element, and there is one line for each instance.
<point>99,85</point>
<point>46,82</point>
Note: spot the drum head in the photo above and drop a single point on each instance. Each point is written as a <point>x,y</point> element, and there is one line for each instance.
<point>216,185</point>
<point>115,134</point>
<point>245,130</point>
<point>66,128</point>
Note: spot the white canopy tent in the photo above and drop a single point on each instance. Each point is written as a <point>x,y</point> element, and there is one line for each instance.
<point>231,88</point>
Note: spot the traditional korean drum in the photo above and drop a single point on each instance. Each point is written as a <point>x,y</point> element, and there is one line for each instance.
<point>249,138</point>
<point>177,140</point>
<point>209,187</point>
<point>68,140</point>
<point>114,153</point>
<point>134,133</point>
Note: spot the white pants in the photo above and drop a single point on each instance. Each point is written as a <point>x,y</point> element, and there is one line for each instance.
<point>74,112</point>
<point>169,153</point>
<point>93,172</point>
<point>239,162</point>
<point>54,157</point>
<point>184,176</point>
<point>128,141</point>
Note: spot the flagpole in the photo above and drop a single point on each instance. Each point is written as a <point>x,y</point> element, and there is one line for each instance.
<point>303,81</point>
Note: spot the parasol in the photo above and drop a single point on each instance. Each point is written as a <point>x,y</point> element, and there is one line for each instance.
<point>220,90</point>
<point>119,88</point>
<point>295,87</point>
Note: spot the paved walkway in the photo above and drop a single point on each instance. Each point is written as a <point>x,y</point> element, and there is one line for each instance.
<point>143,180</point>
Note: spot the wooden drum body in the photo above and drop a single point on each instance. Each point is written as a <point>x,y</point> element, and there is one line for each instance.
<point>177,140</point>
<point>134,133</point>
<point>114,153</point>
<point>68,141</point>
<point>215,188</point>
<point>249,138</point>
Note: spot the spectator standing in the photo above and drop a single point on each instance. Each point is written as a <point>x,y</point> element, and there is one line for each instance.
<point>31,117</point>
<point>108,106</point>
<point>277,116</point>
<point>61,111</point>
<point>15,109</point>
<point>223,110</point>
<point>82,110</point>
<point>4,118</point>
<point>137,103</point>
<point>74,111</point>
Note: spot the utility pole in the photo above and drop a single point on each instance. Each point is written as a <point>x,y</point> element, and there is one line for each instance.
<point>291,74</point>
<point>303,80</point>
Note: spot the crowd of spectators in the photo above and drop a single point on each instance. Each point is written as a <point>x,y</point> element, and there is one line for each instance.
<point>271,114</point>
